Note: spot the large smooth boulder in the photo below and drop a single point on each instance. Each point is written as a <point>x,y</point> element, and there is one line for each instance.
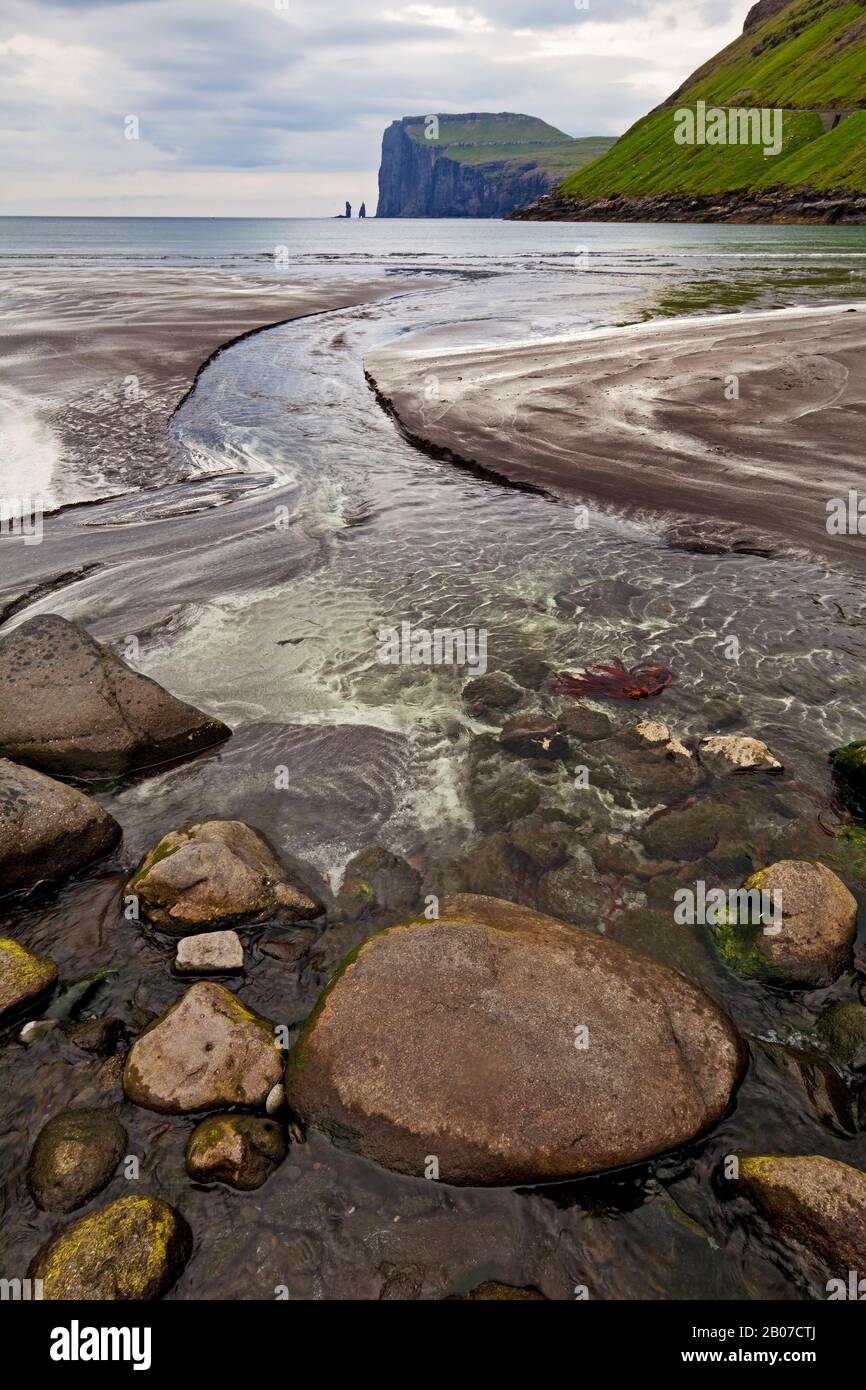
<point>47,829</point>
<point>69,705</point>
<point>74,1157</point>
<point>217,873</point>
<point>241,1151</point>
<point>511,1048</point>
<point>812,945</point>
<point>812,1202</point>
<point>133,1249</point>
<point>207,1051</point>
<point>25,977</point>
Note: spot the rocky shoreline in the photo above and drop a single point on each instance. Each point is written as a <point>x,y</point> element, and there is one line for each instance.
<point>524,1014</point>
<point>841,207</point>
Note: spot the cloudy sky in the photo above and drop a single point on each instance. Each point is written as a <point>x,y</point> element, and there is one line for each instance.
<point>277,107</point>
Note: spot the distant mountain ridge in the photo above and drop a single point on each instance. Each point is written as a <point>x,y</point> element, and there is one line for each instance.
<point>479,164</point>
<point>806,58</point>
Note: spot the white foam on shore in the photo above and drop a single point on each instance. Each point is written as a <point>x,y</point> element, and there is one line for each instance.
<point>649,328</point>
<point>30,450</point>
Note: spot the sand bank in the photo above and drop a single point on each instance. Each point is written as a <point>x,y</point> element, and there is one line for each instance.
<point>94,362</point>
<point>748,423</point>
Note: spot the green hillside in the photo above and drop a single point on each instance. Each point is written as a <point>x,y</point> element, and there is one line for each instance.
<point>805,57</point>
<point>486,138</point>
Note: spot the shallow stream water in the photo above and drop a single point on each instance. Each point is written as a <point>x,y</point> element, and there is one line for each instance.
<point>255,583</point>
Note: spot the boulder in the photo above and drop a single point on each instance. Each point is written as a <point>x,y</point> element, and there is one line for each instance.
<point>74,1157</point>
<point>843,1029</point>
<point>217,873</point>
<point>487,696</point>
<point>573,895</point>
<point>583,723</point>
<point>25,977</point>
<point>725,754</point>
<point>688,832</point>
<point>849,766</point>
<point>210,953</point>
<point>513,1048</point>
<point>133,1249</point>
<point>377,881</point>
<point>500,797</point>
<point>814,1203</point>
<point>69,705</point>
<point>817,929</point>
<point>239,1150</point>
<point>207,1050</point>
<point>644,765</point>
<point>47,829</point>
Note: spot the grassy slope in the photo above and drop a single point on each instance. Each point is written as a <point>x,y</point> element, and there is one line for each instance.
<point>520,140</point>
<point>810,54</point>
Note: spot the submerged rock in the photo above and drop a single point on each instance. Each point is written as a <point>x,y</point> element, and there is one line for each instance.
<point>644,764</point>
<point>206,1051</point>
<point>488,696</point>
<point>239,1150</point>
<point>689,832</point>
<point>724,754</point>
<point>811,943</point>
<point>512,1048</point>
<point>74,1157</point>
<point>210,953</point>
<point>377,881</point>
<point>217,872</point>
<point>812,1202</point>
<point>69,705</point>
<point>47,829</point>
<point>534,736</point>
<point>133,1249</point>
<point>24,976</point>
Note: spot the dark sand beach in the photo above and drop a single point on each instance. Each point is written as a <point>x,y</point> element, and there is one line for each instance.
<point>95,362</point>
<point>749,424</point>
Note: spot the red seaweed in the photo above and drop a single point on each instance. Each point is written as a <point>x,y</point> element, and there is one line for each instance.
<point>614,681</point>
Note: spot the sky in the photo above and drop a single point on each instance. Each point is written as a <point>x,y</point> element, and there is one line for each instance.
<point>276,108</point>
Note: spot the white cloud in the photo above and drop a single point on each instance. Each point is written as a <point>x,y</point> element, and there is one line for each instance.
<point>246,108</point>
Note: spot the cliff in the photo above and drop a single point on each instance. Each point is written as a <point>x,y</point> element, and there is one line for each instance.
<point>800,67</point>
<point>476,165</point>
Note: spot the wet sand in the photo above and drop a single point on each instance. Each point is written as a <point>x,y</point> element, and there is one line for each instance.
<point>647,419</point>
<point>94,362</point>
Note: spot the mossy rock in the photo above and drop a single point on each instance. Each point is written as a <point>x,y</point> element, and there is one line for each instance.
<point>133,1249</point>
<point>25,977</point>
<point>843,1029</point>
<point>241,1151</point>
<point>494,1292</point>
<point>377,880</point>
<point>814,1203</point>
<point>74,1157</point>
<point>206,1051</point>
